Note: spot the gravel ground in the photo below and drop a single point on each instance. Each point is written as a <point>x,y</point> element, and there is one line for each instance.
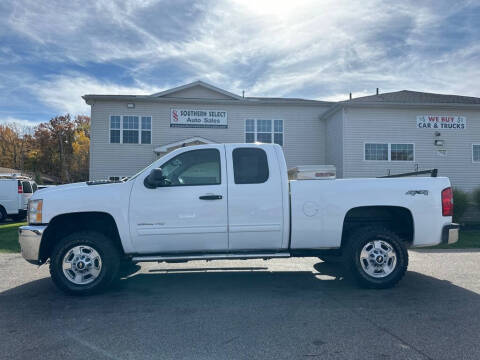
<point>278,309</point>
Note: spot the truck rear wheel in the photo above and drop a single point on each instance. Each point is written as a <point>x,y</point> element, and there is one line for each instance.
<point>84,263</point>
<point>376,257</point>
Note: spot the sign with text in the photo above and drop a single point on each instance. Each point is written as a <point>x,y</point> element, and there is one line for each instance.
<point>198,118</point>
<point>441,122</point>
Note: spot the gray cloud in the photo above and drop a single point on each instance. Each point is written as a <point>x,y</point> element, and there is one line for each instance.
<point>269,48</point>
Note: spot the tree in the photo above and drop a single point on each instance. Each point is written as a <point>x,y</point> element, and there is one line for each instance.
<point>81,148</point>
<point>59,148</point>
<point>15,142</point>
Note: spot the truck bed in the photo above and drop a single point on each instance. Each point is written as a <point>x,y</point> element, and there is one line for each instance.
<point>320,207</point>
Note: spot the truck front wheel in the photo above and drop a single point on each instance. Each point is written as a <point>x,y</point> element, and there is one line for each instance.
<point>376,257</point>
<point>84,263</point>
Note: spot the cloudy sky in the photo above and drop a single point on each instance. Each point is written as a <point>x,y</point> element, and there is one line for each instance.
<point>52,52</point>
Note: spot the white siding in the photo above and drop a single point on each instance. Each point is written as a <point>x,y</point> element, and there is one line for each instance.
<point>334,142</point>
<point>304,133</point>
<point>114,159</point>
<point>398,125</point>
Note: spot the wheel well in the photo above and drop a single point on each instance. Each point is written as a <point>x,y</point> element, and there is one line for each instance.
<point>66,224</point>
<point>395,218</point>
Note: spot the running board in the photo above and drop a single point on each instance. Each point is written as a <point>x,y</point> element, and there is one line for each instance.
<point>239,256</point>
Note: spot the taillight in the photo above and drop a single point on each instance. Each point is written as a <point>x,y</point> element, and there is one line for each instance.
<point>447,202</point>
<point>20,189</point>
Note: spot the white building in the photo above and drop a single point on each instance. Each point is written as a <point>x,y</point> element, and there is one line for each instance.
<point>370,136</point>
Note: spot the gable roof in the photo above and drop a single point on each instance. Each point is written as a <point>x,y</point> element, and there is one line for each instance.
<point>189,89</point>
<point>397,98</point>
<point>406,98</point>
<point>194,84</point>
<point>415,97</point>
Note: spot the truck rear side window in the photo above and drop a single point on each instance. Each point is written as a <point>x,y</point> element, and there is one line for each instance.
<point>250,166</point>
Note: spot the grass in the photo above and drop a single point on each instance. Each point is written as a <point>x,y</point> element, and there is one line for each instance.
<point>469,239</point>
<point>9,237</point>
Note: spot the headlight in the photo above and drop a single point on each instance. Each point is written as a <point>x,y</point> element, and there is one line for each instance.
<point>35,211</point>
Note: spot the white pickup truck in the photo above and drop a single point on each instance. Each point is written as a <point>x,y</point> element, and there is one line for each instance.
<point>233,201</point>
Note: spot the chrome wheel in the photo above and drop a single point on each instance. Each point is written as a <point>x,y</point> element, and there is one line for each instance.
<point>82,265</point>
<point>378,258</point>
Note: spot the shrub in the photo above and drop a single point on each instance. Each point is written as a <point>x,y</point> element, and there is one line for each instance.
<point>460,204</point>
<point>476,197</point>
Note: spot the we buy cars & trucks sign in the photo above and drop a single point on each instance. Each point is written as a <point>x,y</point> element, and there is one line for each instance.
<point>440,122</point>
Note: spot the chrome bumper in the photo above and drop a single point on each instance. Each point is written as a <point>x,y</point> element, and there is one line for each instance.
<point>450,234</point>
<point>30,238</point>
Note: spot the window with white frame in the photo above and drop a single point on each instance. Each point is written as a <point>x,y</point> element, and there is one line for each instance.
<point>115,129</point>
<point>389,152</point>
<point>146,130</point>
<point>250,131</point>
<point>401,152</point>
<point>130,129</point>
<point>476,152</point>
<point>375,151</point>
<point>264,131</point>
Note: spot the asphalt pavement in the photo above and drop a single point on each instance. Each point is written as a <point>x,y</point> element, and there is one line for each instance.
<point>278,309</point>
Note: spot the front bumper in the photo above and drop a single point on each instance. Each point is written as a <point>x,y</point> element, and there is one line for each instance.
<point>30,238</point>
<point>450,233</point>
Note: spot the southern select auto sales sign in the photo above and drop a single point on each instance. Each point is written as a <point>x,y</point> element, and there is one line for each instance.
<point>440,122</point>
<point>198,118</point>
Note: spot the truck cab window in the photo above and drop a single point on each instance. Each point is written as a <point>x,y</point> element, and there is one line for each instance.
<point>250,166</point>
<point>196,167</point>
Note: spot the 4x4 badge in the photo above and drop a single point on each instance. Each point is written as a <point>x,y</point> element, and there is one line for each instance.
<point>415,192</point>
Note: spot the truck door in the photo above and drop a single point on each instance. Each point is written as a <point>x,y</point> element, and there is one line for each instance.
<point>255,206</point>
<point>188,213</point>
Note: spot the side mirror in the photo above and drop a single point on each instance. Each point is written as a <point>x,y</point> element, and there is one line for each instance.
<point>154,179</point>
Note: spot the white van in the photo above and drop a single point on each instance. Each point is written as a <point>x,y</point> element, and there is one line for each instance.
<point>13,202</point>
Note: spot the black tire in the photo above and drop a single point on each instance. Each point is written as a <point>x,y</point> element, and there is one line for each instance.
<point>358,239</point>
<point>3,214</point>
<point>110,260</point>
<point>18,217</point>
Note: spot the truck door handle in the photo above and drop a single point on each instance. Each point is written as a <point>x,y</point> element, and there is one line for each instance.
<point>210,197</point>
